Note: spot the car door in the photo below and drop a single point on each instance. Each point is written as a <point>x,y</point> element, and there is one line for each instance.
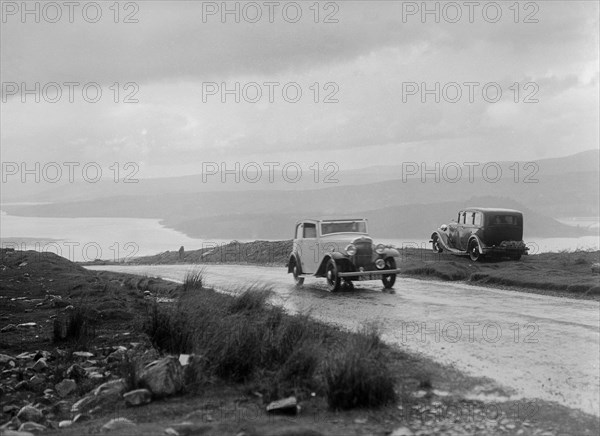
<point>462,230</point>
<point>307,245</point>
<point>453,232</point>
<point>466,228</point>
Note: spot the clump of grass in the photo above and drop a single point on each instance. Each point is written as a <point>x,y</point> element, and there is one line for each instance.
<point>168,329</point>
<point>194,280</point>
<point>77,327</point>
<point>358,376</point>
<point>252,299</point>
<point>302,365</point>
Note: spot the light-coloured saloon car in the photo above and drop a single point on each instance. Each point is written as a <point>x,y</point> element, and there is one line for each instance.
<point>340,250</point>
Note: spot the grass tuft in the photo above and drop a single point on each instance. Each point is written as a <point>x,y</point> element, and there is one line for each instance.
<point>194,280</point>
<point>358,376</point>
<point>77,327</point>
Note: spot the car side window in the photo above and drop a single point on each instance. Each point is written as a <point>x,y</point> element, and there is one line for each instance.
<point>299,231</point>
<point>310,230</point>
<point>464,218</point>
<point>477,219</point>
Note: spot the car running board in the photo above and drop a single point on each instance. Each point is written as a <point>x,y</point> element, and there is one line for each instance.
<point>382,272</point>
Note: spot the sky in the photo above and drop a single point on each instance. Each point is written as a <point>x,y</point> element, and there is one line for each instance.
<point>339,82</point>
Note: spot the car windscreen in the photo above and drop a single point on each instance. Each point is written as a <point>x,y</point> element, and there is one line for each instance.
<point>503,219</point>
<point>343,227</point>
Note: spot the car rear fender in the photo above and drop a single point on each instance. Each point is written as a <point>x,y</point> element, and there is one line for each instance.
<point>480,245</point>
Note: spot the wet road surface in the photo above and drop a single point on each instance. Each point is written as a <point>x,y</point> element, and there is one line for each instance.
<point>535,346</point>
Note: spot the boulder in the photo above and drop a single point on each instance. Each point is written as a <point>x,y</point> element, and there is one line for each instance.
<point>188,428</point>
<point>113,389</point>
<point>37,380</point>
<point>137,397</point>
<point>8,432</point>
<point>596,268</point>
<point>30,413</point>
<point>118,424</point>
<point>75,372</point>
<point>287,405</point>
<point>32,427</point>
<point>83,354</point>
<point>163,377</point>
<point>65,423</point>
<point>84,404</point>
<point>65,387</point>
<point>40,365</point>
<point>6,359</point>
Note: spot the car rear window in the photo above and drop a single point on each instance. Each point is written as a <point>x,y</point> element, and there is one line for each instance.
<point>504,220</point>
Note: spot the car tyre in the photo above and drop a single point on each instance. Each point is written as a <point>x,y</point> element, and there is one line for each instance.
<point>435,245</point>
<point>333,279</point>
<point>389,280</point>
<point>296,273</point>
<point>474,253</point>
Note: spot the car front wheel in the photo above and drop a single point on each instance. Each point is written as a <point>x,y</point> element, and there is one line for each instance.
<point>388,280</point>
<point>333,279</point>
<point>474,253</point>
<point>296,273</point>
<point>435,245</point>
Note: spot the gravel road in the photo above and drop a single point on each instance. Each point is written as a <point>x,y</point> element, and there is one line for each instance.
<point>534,346</point>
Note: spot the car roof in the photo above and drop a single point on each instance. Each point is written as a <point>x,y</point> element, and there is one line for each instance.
<point>492,209</point>
<point>326,220</point>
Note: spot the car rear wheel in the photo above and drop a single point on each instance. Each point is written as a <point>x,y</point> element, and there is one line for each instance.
<point>474,253</point>
<point>333,279</point>
<point>388,280</point>
<point>296,273</point>
<point>435,245</point>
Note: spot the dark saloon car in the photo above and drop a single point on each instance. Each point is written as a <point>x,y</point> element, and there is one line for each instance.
<point>341,251</point>
<point>479,232</point>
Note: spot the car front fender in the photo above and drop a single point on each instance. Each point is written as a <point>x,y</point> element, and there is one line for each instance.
<point>294,256</point>
<point>391,252</point>
<point>443,240</point>
<point>335,255</point>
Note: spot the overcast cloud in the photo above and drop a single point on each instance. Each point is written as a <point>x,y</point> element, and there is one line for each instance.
<point>367,59</point>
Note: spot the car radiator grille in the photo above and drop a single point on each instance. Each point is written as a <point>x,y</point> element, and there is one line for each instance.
<point>364,254</point>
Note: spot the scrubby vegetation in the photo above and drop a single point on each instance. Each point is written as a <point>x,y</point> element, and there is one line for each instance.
<point>245,339</point>
<point>566,271</point>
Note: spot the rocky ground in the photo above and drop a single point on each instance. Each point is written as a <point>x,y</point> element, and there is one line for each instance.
<point>103,375</point>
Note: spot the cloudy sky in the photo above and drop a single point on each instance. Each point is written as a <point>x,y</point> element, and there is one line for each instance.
<point>361,67</point>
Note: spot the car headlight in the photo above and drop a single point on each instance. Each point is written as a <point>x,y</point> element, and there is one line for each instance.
<point>444,227</point>
<point>351,249</point>
<point>380,263</point>
<point>380,248</point>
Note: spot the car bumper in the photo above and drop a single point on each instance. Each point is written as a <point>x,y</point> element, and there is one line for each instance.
<point>378,272</point>
<point>504,250</point>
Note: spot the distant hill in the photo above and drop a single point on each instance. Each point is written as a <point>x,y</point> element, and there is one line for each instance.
<point>555,188</point>
<point>16,191</point>
<point>398,222</point>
